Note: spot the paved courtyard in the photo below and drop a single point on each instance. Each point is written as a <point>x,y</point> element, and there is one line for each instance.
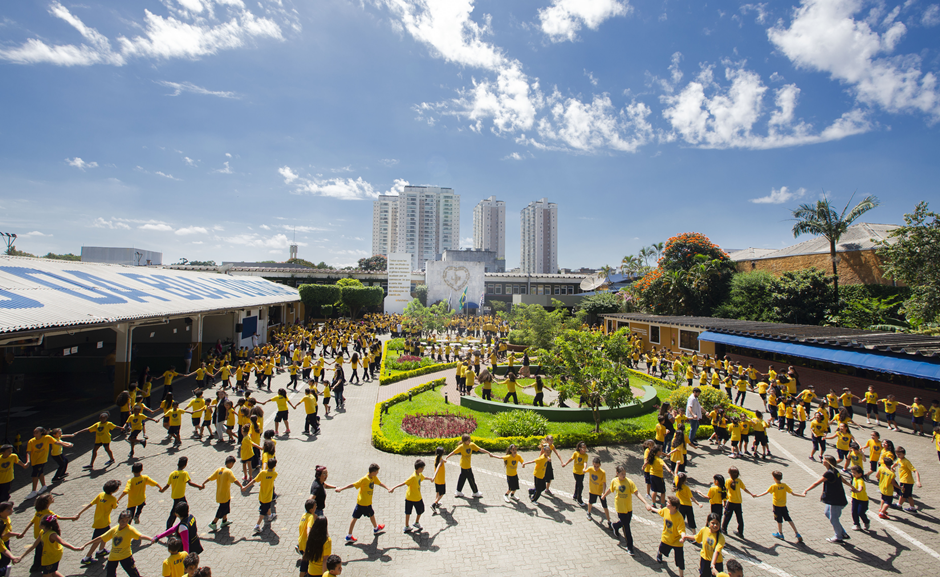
<point>487,536</point>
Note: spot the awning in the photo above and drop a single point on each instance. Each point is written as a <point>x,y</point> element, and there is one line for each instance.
<point>869,361</point>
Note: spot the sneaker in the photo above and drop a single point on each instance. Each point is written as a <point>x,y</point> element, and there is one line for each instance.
<point>272,518</point>
<point>103,553</point>
<point>610,525</point>
<point>777,535</point>
<point>834,540</point>
<point>417,527</point>
<point>44,488</point>
<point>799,538</point>
<point>257,529</point>
<point>548,491</point>
<point>908,509</point>
<point>378,529</point>
<point>137,520</point>
<point>659,558</point>
<point>883,516</point>
<point>478,494</point>
<point>458,494</point>
<point>87,561</point>
<point>226,523</point>
<point>630,552</point>
<point>88,467</point>
<point>856,528</point>
<point>740,534</point>
<point>350,539</point>
<point>589,516</point>
<point>109,462</point>
<point>31,494</point>
<point>506,498</point>
<point>407,529</point>
<point>583,504</point>
<point>867,527</point>
<point>812,458</point>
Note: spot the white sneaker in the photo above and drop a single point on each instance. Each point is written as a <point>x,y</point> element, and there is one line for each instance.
<point>257,529</point>
<point>43,489</point>
<point>31,494</point>
<point>416,527</point>
<point>856,528</point>
<point>506,498</point>
<point>458,494</point>
<point>477,495</point>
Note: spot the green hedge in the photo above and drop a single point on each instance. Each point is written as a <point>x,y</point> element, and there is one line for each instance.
<point>387,379</point>
<point>861,291</point>
<point>418,446</point>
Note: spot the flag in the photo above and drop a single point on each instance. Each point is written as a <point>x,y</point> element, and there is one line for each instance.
<point>482,298</point>
<point>463,298</point>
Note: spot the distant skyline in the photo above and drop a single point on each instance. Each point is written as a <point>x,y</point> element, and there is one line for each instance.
<point>213,129</point>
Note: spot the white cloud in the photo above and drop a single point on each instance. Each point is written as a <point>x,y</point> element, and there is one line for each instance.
<point>780,196</point>
<point>228,154</point>
<point>760,9</point>
<point>189,161</point>
<point>587,127</point>
<point>347,168</point>
<point>34,233</point>
<point>302,228</point>
<point>341,188</point>
<point>466,242</point>
<point>824,36</point>
<point>80,164</point>
<point>265,227</point>
<point>181,87</point>
<point>112,224</point>
<point>185,33</point>
<point>288,174</point>
<point>191,230</point>
<point>257,241</point>
<point>513,156</point>
<point>590,77</point>
<point>397,187</point>
<point>226,170</point>
<point>156,226</point>
<point>166,175</point>
<point>708,115</point>
<point>389,162</point>
<point>564,18</point>
<point>931,16</point>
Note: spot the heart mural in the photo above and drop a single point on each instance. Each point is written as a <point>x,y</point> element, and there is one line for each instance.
<point>456,277</point>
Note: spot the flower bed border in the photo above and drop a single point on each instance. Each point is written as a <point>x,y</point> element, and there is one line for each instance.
<point>568,415</point>
<point>387,379</point>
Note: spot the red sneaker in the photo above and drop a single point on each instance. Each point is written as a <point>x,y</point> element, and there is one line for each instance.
<point>378,528</point>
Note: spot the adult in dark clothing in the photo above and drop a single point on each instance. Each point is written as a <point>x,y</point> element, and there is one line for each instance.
<point>186,528</point>
<point>318,489</point>
<point>833,496</point>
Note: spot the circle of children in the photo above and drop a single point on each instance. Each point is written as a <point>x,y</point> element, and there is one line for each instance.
<point>293,351</point>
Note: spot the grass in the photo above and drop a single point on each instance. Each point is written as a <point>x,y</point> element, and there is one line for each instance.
<point>500,390</point>
<point>433,401</point>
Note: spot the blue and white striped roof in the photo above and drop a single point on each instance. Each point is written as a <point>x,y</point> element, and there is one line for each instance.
<point>40,293</point>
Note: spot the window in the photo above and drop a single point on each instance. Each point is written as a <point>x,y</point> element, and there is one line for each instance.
<point>489,289</point>
<point>499,289</point>
<point>557,290</point>
<point>688,340</point>
<point>654,334</point>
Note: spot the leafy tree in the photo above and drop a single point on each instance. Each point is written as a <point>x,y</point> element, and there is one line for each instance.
<point>315,296</point>
<point>802,297</point>
<point>357,297</point>
<point>498,306</point>
<point>601,303</point>
<point>432,318</point>
<point>421,293</point>
<point>820,219</point>
<point>69,256</point>
<point>323,265</point>
<point>350,282</point>
<point>13,252</point>
<point>197,262</point>
<point>377,263</point>
<point>749,298</point>
<point>871,313</point>
<point>592,365</point>
<point>537,327</point>
<point>301,262</point>
<point>914,259</point>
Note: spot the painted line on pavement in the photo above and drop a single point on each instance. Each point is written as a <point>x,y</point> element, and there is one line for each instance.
<point>741,556</point>
<point>889,526</point>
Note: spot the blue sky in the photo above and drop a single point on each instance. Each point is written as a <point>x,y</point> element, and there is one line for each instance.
<point>213,129</point>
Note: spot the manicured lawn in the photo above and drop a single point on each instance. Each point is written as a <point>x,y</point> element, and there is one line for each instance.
<point>433,401</point>
<point>499,391</point>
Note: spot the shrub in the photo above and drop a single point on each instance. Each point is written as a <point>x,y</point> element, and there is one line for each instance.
<point>438,425</point>
<point>385,379</point>
<point>710,398</point>
<point>396,344</point>
<point>409,363</point>
<point>519,424</point>
<point>517,337</point>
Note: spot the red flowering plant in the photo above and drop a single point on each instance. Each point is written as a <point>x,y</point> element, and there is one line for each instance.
<point>438,425</point>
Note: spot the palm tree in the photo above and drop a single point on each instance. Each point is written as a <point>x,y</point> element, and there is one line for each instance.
<point>821,219</point>
<point>658,247</point>
<point>646,253</point>
<point>606,270</point>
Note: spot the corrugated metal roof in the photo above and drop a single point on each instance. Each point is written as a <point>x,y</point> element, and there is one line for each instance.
<point>41,293</point>
<point>861,236</point>
<point>887,342</point>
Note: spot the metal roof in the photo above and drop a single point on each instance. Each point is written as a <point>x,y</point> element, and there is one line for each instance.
<point>886,342</point>
<point>861,236</point>
<point>40,293</point>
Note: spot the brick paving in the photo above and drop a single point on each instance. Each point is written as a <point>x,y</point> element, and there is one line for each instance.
<point>486,536</point>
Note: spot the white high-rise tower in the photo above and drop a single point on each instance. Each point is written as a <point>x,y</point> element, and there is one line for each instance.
<point>422,220</point>
<point>539,238</point>
<point>489,226</point>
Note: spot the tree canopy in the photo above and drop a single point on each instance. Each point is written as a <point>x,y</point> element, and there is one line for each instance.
<point>376,263</point>
<point>914,259</point>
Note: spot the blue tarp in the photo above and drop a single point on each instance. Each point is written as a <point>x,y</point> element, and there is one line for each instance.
<point>862,360</point>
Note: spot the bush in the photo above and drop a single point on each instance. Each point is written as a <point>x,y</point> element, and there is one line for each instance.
<point>409,363</point>
<point>396,344</point>
<point>519,424</point>
<point>326,311</point>
<point>517,337</point>
<point>385,379</point>
<point>709,398</point>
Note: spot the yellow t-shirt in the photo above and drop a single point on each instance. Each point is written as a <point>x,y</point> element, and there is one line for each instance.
<point>905,472</point>
<point>859,485</point>
<point>198,404</point>
<point>711,542</point>
<point>843,440</point>
<point>315,568</point>
<point>512,462</point>
<point>176,417</point>
<point>173,565</point>
<point>6,467</point>
<point>265,480</point>
<point>597,480</point>
<point>136,489</point>
<point>465,452</point>
<point>102,432</point>
<point>413,485</point>
<point>673,527</point>
<point>714,495</point>
<point>871,398</point>
<point>310,404</point>
<point>38,449</point>
<point>365,486</point>
<point>819,428</point>
<point>580,461</point>
<point>684,494</point>
<point>440,476</point>
<point>918,409</point>
<point>104,504</point>
<point>874,450</point>
<point>886,481</point>
<point>734,494</point>
<point>541,465</point>
<point>247,449</point>
<point>51,550</point>
<point>623,491</point>
<point>137,422</point>
<point>281,402</point>
<point>303,528</point>
<point>177,483</point>
<point>121,547</point>
<point>223,477</point>
<point>779,492</point>
<point>890,406</point>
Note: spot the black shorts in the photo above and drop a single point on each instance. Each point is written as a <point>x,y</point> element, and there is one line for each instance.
<point>223,510</point>
<point>873,466</point>
<point>440,488</point>
<point>871,408</point>
<point>135,434</point>
<point>592,498</point>
<point>363,511</point>
<point>761,438</point>
<point>102,445</point>
<point>819,443</point>
<point>781,514</point>
<point>889,499</point>
<point>196,421</point>
<point>174,430</point>
<point>657,484</point>
<point>679,556</point>
<point>889,416</point>
<point>38,469</point>
<point>646,477</point>
<point>95,533</point>
<point>50,569</point>
<point>918,420</point>
<point>265,508</point>
<point>416,506</point>
<point>907,490</point>
<point>326,401</point>
<point>513,482</point>
<point>280,416</point>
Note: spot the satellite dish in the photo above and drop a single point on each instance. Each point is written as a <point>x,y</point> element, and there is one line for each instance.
<point>593,282</point>
<point>225,268</point>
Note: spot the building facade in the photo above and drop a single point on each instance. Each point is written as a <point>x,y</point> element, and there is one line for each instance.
<point>120,255</point>
<point>489,227</point>
<point>539,238</point>
<point>422,220</point>
<point>487,257</point>
<point>385,225</point>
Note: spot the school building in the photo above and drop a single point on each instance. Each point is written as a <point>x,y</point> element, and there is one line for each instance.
<point>905,365</point>
<point>74,332</point>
